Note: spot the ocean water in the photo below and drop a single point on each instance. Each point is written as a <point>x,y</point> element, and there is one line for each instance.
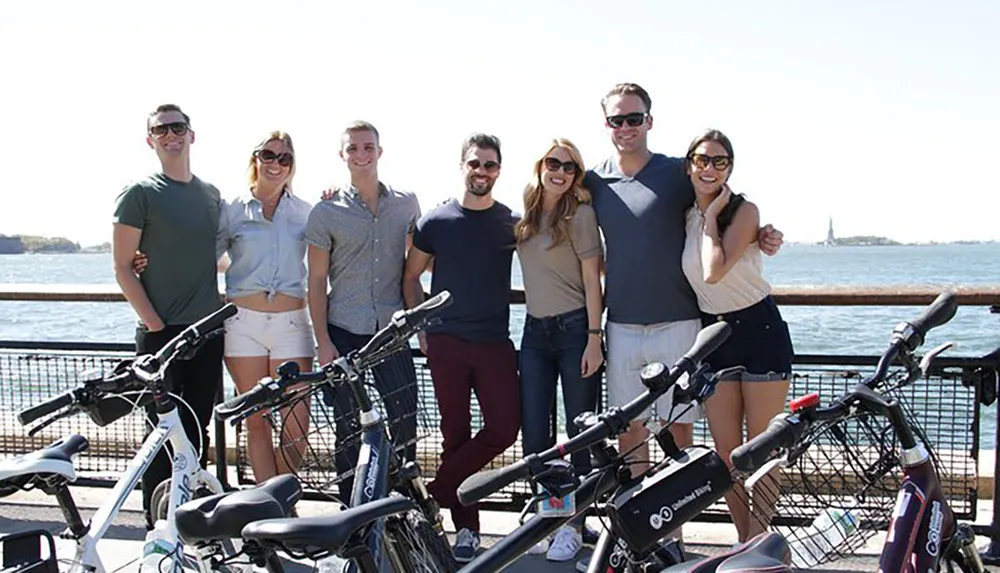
<point>815,330</point>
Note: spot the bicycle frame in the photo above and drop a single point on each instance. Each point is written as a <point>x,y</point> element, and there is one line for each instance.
<point>371,482</point>
<point>187,475</point>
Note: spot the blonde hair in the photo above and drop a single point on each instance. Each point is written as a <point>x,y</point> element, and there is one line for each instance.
<point>531,223</point>
<point>283,137</point>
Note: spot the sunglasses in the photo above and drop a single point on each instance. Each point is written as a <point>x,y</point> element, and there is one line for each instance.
<point>474,164</point>
<point>720,162</point>
<point>268,156</point>
<point>553,164</point>
<point>632,119</point>
<point>178,127</point>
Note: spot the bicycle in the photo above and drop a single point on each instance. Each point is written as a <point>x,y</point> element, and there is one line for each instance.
<point>411,541</point>
<point>347,533</point>
<point>101,398</point>
<point>922,530</point>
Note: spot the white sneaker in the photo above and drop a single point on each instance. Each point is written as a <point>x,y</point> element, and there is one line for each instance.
<point>566,544</point>
<point>583,564</point>
<point>540,547</point>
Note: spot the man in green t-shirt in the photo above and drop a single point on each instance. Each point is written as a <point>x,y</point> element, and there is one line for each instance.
<point>172,217</point>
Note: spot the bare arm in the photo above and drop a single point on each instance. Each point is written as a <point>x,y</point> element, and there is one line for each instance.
<point>124,244</point>
<point>719,254</point>
<point>592,355</point>
<point>417,262</point>
<point>318,261</point>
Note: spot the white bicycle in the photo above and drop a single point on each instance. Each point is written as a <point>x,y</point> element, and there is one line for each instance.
<point>104,400</point>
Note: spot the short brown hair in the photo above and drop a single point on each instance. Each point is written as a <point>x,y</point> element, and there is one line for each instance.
<point>360,125</point>
<point>165,108</point>
<point>482,141</point>
<point>628,89</point>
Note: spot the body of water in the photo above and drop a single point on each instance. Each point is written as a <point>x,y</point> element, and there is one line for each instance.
<point>815,330</point>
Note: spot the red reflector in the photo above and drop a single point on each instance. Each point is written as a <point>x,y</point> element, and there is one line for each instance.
<point>807,401</point>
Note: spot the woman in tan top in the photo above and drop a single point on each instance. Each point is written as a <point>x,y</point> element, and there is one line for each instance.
<point>560,250</point>
<point>722,262</point>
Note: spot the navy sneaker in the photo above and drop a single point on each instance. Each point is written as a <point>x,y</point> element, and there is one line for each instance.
<point>466,544</point>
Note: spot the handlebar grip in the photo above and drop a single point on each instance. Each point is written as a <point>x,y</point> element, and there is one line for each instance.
<point>431,306</point>
<point>214,320</point>
<point>708,340</point>
<point>781,432</point>
<point>939,312</point>
<point>258,395</point>
<point>482,484</point>
<point>47,407</point>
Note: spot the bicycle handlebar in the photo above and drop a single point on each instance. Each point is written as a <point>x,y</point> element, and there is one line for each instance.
<point>395,335</point>
<point>147,369</point>
<point>613,422</point>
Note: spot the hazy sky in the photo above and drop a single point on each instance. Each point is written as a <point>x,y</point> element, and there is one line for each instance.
<point>882,115</point>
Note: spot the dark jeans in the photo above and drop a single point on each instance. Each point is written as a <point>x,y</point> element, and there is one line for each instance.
<point>460,367</point>
<point>551,350</point>
<point>196,381</point>
<point>396,382</point>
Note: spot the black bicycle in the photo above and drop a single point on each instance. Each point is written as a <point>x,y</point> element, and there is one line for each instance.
<point>641,511</point>
<point>411,539</point>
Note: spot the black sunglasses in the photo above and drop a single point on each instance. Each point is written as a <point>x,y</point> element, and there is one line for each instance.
<point>553,164</point>
<point>633,119</point>
<point>474,164</point>
<point>720,162</point>
<point>268,156</point>
<point>178,127</point>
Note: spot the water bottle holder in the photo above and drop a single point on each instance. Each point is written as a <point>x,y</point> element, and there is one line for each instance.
<point>25,552</point>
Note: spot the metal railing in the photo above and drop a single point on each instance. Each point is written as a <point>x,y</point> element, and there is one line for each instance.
<point>949,405</point>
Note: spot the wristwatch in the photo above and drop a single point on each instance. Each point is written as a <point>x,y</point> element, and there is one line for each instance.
<point>596,331</point>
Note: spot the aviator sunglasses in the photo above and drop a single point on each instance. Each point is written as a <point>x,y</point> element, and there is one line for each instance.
<point>632,119</point>
<point>474,164</point>
<point>268,156</point>
<point>553,164</point>
<point>178,127</point>
<point>702,161</point>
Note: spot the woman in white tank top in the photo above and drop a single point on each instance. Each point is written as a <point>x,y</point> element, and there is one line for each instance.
<point>722,262</point>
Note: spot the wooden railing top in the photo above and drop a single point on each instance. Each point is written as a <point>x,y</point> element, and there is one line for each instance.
<point>794,296</point>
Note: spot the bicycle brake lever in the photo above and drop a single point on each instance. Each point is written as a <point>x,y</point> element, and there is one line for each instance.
<point>781,460</point>
<point>925,362</point>
<point>51,420</point>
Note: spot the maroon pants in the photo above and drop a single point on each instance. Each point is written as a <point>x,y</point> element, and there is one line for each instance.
<point>459,367</point>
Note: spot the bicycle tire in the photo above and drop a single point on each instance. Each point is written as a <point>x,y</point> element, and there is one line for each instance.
<point>415,547</point>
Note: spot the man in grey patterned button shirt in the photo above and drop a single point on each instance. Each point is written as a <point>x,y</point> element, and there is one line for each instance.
<point>358,240</point>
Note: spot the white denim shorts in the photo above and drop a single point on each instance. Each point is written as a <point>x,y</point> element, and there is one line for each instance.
<point>278,335</point>
<point>633,346</point>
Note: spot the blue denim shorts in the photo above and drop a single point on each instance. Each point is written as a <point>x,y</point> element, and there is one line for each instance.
<point>760,341</point>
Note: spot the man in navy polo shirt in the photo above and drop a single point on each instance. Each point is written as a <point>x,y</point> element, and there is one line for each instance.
<point>471,241</point>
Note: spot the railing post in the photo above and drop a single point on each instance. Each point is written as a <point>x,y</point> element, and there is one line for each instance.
<point>221,463</point>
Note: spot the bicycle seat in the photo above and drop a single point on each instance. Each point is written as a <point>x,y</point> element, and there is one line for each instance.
<point>323,535</point>
<point>56,458</point>
<point>766,552</point>
<point>223,515</point>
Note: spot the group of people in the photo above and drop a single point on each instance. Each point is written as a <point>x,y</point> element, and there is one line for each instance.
<point>676,248</point>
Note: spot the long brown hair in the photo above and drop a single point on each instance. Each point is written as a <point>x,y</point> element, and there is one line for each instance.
<point>531,223</point>
<point>283,137</point>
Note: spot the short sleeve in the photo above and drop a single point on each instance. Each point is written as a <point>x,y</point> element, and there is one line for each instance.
<point>316,233</point>
<point>414,215</point>
<point>584,233</point>
<point>131,207</point>
<point>423,238</point>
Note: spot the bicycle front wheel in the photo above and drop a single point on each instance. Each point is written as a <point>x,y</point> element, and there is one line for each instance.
<point>415,547</point>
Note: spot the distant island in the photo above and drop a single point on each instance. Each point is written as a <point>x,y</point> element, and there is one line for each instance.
<point>859,241</point>
<point>20,244</point>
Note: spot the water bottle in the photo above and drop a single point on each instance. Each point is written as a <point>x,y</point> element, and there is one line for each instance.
<point>828,532</point>
<point>157,549</point>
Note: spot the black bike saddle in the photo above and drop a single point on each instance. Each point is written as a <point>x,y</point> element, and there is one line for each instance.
<point>767,552</point>
<point>325,535</point>
<point>223,516</point>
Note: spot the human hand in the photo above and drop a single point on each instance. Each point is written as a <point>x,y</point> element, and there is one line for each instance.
<point>719,203</point>
<point>593,357</point>
<point>770,240</point>
<point>139,262</point>
<point>327,353</point>
<point>330,193</point>
<point>422,341</point>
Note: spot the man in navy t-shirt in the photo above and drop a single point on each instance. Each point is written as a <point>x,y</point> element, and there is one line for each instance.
<point>471,242</point>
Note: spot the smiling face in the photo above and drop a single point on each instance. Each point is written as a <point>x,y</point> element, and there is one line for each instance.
<point>709,166</point>
<point>628,121</point>
<point>169,135</point>
<point>481,168</point>
<point>360,151</point>
<point>558,171</point>
<point>274,163</point>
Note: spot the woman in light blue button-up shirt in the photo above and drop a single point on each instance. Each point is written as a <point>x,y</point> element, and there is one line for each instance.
<point>262,234</point>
